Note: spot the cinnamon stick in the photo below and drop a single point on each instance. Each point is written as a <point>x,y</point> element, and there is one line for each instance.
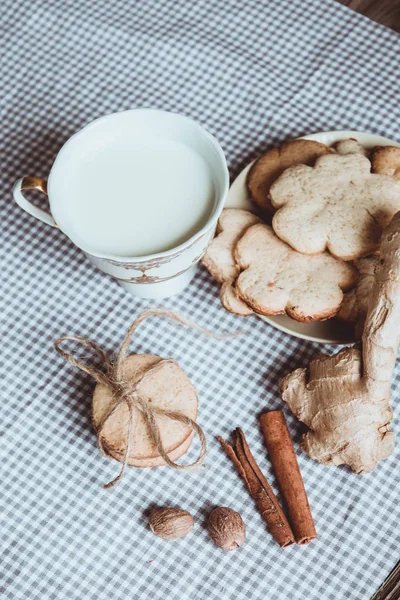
<point>259,489</point>
<point>287,472</point>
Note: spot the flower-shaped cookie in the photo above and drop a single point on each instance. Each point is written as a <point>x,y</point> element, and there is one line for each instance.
<point>337,205</point>
<point>267,168</point>
<point>386,160</point>
<point>276,279</point>
<point>219,260</point>
<point>350,146</point>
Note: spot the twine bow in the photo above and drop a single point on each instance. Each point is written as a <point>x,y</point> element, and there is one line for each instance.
<point>126,391</point>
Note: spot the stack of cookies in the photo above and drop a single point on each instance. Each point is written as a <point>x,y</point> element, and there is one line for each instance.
<point>310,248</point>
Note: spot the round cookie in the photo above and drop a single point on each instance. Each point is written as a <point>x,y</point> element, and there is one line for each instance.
<point>170,389</point>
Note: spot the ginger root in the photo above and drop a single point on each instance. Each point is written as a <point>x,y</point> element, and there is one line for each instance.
<point>355,303</point>
<point>344,399</point>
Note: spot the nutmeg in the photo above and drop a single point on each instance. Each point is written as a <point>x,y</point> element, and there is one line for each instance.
<point>170,523</point>
<point>226,528</point>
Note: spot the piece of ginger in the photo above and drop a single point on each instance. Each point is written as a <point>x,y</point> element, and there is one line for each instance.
<point>344,399</point>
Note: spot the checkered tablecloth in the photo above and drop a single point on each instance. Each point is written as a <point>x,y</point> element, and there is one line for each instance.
<point>254,73</point>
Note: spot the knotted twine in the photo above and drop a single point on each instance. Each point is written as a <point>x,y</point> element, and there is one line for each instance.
<point>126,391</point>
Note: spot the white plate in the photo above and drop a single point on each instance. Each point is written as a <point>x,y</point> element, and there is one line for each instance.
<point>331,331</point>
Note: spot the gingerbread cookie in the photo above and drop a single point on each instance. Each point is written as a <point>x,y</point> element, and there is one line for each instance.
<point>270,165</point>
<point>337,205</point>
<point>219,260</point>
<point>350,146</point>
<point>170,390</point>
<point>276,279</point>
<point>386,161</point>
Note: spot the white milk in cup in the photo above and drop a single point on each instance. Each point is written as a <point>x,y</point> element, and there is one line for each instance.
<point>140,192</point>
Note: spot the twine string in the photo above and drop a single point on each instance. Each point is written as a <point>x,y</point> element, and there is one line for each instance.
<point>127,392</point>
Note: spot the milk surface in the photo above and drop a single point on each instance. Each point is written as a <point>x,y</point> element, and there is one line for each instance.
<point>133,198</point>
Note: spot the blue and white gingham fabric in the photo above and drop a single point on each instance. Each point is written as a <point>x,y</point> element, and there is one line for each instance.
<point>254,73</point>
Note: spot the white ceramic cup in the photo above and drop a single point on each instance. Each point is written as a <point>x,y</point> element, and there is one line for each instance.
<point>157,275</point>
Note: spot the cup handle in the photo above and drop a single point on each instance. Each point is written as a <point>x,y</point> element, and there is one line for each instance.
<point>32,183</point>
